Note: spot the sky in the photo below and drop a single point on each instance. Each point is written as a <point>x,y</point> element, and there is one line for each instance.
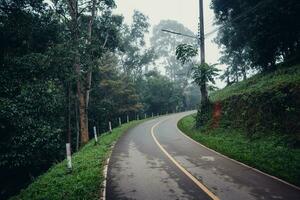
<point>183,11</point>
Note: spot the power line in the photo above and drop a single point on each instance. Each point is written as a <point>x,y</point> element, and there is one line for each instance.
<point>210,21</point>
<point>222,26</point>
<point>177,33</point>
<point>237,18</point>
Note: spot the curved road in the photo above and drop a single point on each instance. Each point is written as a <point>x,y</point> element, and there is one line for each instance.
<point>156,161</point>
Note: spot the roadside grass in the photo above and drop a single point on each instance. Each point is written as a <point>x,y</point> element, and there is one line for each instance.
<point>282,77</point>
<point>268,153</point>
<point>86,178</point>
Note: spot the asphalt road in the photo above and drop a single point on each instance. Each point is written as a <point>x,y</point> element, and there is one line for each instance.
<point>156,161</point>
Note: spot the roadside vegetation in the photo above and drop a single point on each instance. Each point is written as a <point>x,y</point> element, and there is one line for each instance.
<point>85,181</point>
<point>68,66</point>
<point>254,120</point>
<point>268,153</point>
<point>283,76</point>
<point>258,123</point>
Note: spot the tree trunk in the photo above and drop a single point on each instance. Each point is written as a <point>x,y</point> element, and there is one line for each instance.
<point>68,114</point>
<point>83,115</point>
<point>204,95</point>
<point>83,118</point>
<point>89,41</point>
<point>236,76</point>
<point>83,83</point>
<point>228,81</point>
<point>77,124</point>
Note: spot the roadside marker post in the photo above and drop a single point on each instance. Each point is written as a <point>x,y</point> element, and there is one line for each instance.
<point>145,115</point>
<point>69,157</point>
<point>109,127</point>
<point>127,119</point>
<point>95,134</point>
<point>137,117</point>
<point>120,121</point>
<point>152,114</point>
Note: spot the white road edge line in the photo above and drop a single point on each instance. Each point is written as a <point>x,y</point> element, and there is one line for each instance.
<point>104,183</point>
<point>105,170</point>
<point>247,166</point>
<point>188,174</point>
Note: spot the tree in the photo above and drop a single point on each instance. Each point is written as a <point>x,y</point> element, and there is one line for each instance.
<point>165,45</point>
<point>31,95</point>
<point>202,75</point>
<point>82,15</point>
<point>112,94</point>
<point>264,30</point>
<point>134,55</point>
<point>238,65</point>
<point>37,72</point>
<point>158,93</point>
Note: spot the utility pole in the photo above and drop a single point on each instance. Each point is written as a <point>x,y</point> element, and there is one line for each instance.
<point>203,88</point>
<point>201,32</point>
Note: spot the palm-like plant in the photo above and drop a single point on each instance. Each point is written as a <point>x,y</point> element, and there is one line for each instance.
<point>202,74</point>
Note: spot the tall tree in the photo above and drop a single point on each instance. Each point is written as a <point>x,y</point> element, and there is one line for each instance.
<point>82,15</point>
<point>31,94</point>
<point>135,56</point>
<point>238,65</point>
<point>165,45</point>
<point>202,75</point>
<point>112,95</point>
<point>265,30</point>
<point>158,93</point>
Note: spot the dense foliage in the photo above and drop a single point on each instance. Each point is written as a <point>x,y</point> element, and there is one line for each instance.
<point>256,121</point>
<point>85,180</point>
<point>202,74</point>
<point>263,104</point>
<point>67,66</point>
<point>164,44</point>
<point>257,34</point>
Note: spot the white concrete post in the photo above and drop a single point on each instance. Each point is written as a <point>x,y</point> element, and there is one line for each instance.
<point>145,115</point>
<point>152,114</point>
<point>109,126</point>
<point>137,117</point>
<point>69,157</point>
<point>120,121</point>
<point>95,134</point>
<point>127,119</point>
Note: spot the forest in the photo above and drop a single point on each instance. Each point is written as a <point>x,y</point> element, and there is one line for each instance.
<point>70,65</point>
<point>67,66</point>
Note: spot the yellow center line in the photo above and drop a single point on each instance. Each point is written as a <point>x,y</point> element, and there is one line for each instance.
<point>188,174</point>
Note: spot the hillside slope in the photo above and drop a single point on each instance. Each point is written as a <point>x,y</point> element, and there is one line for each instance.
<point>263,103</point>
<point>86,179</point>
<point>257,122</point>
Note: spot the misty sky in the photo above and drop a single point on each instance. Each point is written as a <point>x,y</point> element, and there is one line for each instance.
<point>183,11</point>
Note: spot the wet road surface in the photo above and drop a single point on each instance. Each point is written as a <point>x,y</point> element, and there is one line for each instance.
<point>155,161</point>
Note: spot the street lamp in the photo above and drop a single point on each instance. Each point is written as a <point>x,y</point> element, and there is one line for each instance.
<point>200,38</point>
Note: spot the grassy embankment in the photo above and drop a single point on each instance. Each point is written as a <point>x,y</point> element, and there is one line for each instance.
<point>87,176</point>
<point>244,136</point>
